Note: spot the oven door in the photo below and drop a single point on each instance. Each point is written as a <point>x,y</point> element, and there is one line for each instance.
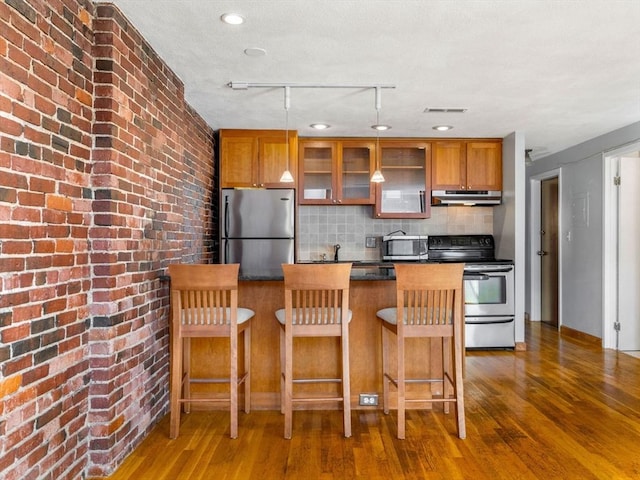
<point>488,290</point>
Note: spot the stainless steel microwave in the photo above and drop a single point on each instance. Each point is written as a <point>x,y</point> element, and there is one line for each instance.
<point>405,247</point>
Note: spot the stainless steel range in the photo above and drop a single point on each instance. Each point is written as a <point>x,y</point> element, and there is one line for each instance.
<point>488,288</point>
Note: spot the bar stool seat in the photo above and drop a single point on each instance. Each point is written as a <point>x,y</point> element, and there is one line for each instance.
<point>316,305</point>
<point>429,303</point>
<point>204,304</point>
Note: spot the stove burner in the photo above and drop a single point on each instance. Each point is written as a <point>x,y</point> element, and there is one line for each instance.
<point>461,248</point>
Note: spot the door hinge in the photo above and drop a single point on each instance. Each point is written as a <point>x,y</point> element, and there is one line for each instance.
<point>616,326</point>
<point>616,180</point>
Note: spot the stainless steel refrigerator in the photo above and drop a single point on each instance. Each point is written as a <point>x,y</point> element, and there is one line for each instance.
<point>257,229</point>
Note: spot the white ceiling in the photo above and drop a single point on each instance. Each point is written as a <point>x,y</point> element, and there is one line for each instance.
<point>559,71</point>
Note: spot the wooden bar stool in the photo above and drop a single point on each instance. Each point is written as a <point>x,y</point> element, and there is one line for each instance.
<point>429,304</point>
<point>204,303</point>
<point>316,305</point>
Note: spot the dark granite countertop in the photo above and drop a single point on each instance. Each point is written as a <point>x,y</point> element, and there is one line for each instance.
<point>360,270</point>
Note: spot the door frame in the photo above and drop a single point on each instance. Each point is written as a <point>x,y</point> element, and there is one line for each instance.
<point>610,243</point>
<point>534,242</point>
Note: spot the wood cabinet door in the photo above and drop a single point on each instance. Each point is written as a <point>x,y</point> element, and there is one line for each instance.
<point>256,158</point>
<point>272,159</point>
<point>484,165</point>
<point>448,166</point>
<point>238,161</point>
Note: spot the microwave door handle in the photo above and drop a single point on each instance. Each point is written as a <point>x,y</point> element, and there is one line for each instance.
<point>423,245</point>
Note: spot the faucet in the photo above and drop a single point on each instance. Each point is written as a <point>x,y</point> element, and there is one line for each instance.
<point>336,247</point>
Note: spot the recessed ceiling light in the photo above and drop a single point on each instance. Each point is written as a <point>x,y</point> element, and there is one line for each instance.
<point>442,128</point>
<point>320,126</point>
<point>255,52</point>
<point>232,18</point>
<point>381,127</point>
<point>445,110</point>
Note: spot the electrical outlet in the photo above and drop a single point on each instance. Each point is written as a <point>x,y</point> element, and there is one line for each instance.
<point>371,242</point>
<point>369,399</point>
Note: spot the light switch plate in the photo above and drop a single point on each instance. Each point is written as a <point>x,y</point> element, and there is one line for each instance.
<point>371,242</point>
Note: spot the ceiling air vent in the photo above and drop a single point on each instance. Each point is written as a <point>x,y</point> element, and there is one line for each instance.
<point>444,110</point>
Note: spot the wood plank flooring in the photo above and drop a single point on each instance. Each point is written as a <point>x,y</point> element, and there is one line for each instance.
<point>563,409</point>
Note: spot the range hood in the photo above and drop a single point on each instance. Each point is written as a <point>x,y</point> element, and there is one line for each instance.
<point>466,197</point>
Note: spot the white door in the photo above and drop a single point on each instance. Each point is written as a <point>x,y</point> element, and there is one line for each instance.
<point>629,254</point>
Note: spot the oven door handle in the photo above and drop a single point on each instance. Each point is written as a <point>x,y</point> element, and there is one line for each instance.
<point>475,276</point>
<point>492,270</point>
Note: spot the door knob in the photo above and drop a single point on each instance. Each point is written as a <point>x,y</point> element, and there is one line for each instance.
<point>542,253</point>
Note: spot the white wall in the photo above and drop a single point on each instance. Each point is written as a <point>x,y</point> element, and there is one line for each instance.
<point>581,231</point>
<point>508,224</point>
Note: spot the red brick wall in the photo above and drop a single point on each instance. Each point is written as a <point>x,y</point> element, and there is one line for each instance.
<point>105,178</point>
<point>152,178</point>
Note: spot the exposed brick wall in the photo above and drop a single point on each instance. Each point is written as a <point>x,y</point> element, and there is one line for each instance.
<point>105,178</point>
<point>152,178</point>
<point>46,94</point>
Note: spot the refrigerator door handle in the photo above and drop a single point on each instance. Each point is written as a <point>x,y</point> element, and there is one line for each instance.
<point>226,251</point>
<point>226,220</point>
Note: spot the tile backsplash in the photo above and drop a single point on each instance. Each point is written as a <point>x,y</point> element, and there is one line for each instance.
<point>321,227</point>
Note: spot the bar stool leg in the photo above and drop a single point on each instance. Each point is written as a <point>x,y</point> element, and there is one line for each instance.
<point>346,389</point>
<point>247,368</point>
<point>385,370</point>
<point>176,386</point>
<point>401,388</point>
<point>288,375</point>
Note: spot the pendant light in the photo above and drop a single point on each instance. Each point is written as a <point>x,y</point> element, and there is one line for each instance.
<point>377,176</point>
<point>286,175</point>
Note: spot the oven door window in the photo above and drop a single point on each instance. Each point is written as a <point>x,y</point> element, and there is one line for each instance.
<point>485,290</point>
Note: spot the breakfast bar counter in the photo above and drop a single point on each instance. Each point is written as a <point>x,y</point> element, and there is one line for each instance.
<point>369,292</point>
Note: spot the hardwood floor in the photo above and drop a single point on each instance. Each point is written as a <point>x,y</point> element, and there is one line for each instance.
<point>563,409</point>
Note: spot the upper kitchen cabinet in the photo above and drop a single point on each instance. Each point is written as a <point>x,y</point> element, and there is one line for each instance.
<point>467,165</point>
<point>256,158</point>
<point>406,166</point>
<point>336,172</point>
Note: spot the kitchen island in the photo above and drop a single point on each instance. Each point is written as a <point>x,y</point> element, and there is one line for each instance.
<point>372,288</point>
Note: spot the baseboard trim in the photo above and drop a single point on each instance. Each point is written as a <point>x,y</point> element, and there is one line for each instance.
<point>582,336</point>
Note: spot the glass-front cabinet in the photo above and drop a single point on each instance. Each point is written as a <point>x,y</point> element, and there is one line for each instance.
<point>336,172</point>
<point>406,191</point>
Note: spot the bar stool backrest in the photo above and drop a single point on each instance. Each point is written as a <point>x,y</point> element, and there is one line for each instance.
<point>204,299</point>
